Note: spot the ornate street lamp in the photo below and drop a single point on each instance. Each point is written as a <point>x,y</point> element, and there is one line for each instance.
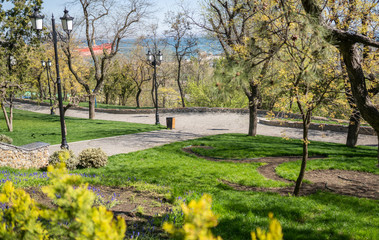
<point>37,19</point>
<point>47,65</point>
<point>67,22</point>
<point>67,26</point>
<point>155,59</point>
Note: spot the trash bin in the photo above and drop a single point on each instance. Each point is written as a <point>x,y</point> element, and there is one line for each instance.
<point>170,122</point>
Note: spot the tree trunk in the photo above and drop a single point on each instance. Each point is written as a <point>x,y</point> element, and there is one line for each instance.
<point>253,96</point>
<point>91,106</point>
<point>253,118</point>
<point>353,130</point>
<point>180,85</point>
<point>137,97</point>
<point>123,98</point>
<point>107,98</point>
<point>306,122</point>
<point>42,94</point>
<point>8,119</point>
<point>352,60</point>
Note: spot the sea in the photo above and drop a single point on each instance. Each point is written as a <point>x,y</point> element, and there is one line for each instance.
<point>211,46</point>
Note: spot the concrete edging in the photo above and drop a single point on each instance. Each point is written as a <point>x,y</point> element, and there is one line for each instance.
<point>317,126</point>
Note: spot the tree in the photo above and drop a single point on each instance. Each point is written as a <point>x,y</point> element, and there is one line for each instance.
<point>348,42</point>
<point>141,71</point>
<point>117,21</point>
<point>310,76</point>
<point>16,36</point>
<point>247,32</point>
<point>183,40</point>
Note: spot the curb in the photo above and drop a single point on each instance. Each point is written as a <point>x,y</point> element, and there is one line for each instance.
<point>317,126</point>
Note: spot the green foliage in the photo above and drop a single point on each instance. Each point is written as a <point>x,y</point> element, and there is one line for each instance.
<point>92,158</point>
<point>66,156</point>
<point>224,89</point>
<point>74,216</point>
<point>5,139</point>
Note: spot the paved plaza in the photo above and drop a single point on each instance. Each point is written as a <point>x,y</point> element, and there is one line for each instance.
<point>187,126</point>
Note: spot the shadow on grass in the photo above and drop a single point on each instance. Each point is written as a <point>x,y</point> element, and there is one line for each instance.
<point>318,216</point>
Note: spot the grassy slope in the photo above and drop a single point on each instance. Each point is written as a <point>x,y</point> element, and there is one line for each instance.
<point>31,127</point>
<point>319,216</point>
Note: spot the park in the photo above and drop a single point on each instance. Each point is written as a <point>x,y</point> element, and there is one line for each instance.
<point>217,120</point>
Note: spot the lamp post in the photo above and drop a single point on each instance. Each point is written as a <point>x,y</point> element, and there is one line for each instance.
<point>155,59</point>
<point>47,66</point>
<point>67,27</point>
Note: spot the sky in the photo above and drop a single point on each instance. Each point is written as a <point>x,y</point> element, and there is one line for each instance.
<point>160,8</point>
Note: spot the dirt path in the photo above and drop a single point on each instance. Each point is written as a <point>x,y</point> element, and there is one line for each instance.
<point>352,183</point>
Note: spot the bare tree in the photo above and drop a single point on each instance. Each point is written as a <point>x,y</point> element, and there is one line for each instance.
<point>183,40</point>
<point>7,90</point>
<point>117,20</point>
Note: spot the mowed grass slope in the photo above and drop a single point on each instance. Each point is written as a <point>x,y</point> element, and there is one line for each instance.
<point>323,215</point>
<point>319,216</point>
<point>30,127</point>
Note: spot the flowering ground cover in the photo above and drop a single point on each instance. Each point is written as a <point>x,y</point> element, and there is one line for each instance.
<point>178,176</point>
<point>32,127</point>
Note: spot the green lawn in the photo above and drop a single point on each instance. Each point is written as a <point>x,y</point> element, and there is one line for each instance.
<point>30,127</point>
<point>319,216</point>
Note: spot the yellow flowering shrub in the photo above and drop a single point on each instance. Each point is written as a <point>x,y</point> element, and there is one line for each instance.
<point>274,231</point>
<point>199,218</point>
<point>74,216</point>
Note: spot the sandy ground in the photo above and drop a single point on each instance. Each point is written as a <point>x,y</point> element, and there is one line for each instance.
<point>187,126</point>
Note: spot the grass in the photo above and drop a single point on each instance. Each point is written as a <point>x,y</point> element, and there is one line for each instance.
<point>322,215</point>
<point>30,127</point>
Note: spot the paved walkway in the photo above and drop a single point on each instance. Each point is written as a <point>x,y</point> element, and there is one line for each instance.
<point>188,126</point>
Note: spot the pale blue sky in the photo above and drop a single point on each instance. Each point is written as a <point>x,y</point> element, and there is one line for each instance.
<point>160,7</point>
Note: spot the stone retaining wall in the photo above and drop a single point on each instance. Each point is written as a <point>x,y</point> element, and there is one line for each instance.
<point>317,126</point>
<point>35,155</point>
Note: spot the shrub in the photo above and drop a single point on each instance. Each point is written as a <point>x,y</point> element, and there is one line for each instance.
<point>74,216</point>
<point>199,218</point>
<point>92,157</point>
<point>5,139</point>
<point>65,156</point>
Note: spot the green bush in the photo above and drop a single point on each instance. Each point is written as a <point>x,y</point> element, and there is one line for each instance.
<point>65,156</point>
<point>74,216</point>
<point>5,139</point>
<point>92,158</point>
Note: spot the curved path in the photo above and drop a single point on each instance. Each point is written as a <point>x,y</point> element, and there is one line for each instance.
<point>353,183</point>
<point>188,126</point>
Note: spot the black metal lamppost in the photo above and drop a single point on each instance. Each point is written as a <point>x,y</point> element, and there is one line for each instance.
<point>67,27</point>
<point>155,59</point>
<point>47,65</point>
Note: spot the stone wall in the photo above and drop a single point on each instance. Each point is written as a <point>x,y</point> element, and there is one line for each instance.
<point>35,155</point>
